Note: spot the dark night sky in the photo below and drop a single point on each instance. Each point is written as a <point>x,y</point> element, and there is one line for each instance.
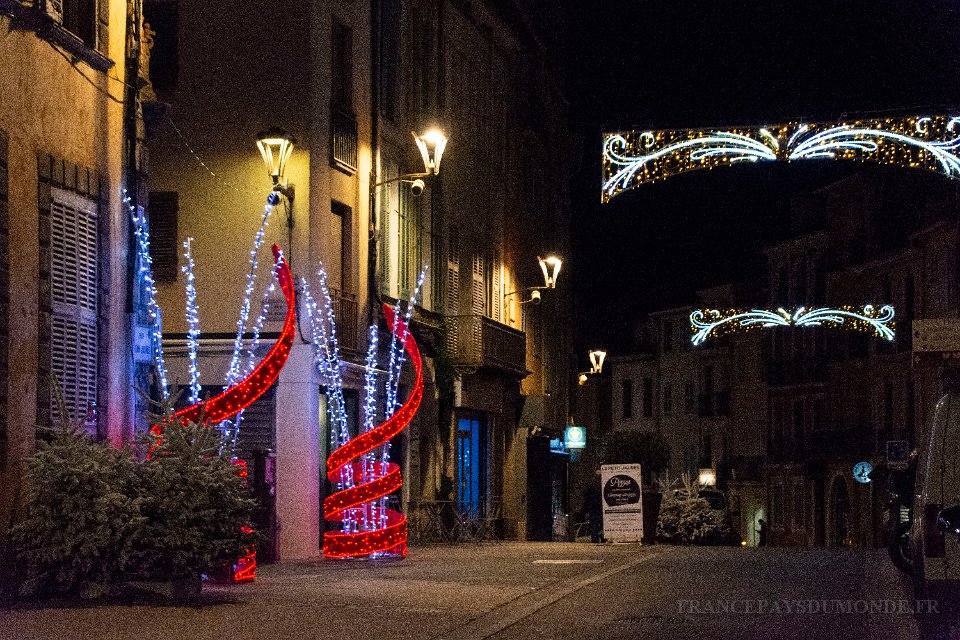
<point>643,64</point>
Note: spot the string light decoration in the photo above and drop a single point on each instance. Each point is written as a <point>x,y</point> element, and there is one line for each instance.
<point>145,273</point>
<point>193,321</point>
<point>245,392</point>
<point>391,538</point>
<point>632,158</point>
<point>713,322</point>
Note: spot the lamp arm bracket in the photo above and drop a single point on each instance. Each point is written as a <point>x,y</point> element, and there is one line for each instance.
<point>405,176</point>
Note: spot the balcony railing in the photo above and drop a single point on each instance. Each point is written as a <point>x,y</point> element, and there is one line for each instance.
<point>345,314</point>
<point>343,143</point>
<point>478,341</point>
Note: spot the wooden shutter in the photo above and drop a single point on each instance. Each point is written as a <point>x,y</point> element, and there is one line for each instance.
<point>164,249</point>
<point>452,287</point>
<point>73,285</point>
<point>478,303</point>
<point>496,284</point>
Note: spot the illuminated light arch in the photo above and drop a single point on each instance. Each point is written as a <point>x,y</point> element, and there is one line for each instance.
<point>633,158</point>
<point>392,538</point>
<point>712,322</point>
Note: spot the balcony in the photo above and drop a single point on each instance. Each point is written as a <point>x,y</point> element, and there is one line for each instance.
<point>343,143</point>
<point>345,317</point>
<point>477,341</point>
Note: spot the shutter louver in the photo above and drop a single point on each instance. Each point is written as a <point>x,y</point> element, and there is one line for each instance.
<point>452,293</point>
<point>73,284</point>
<point>164,249</point>
<point>496,300</point>
<point>478,303</point>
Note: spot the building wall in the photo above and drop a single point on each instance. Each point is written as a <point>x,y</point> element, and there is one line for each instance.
<point>63,128</point>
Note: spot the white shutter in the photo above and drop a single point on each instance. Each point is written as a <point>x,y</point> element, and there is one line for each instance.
<point>73,284</point>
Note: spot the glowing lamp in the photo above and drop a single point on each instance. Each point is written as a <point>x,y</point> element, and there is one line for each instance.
<point>582,379</point>
<point>275,147</point>
<point>551,269</point>
<point>596,360</point>
<point>431,145</point>
<point>707,477</point>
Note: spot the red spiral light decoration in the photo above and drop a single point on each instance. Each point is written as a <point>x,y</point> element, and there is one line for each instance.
<point>393,537</point>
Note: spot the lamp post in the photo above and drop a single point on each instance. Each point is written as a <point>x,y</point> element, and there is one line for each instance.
<point>431,144</point>
<point>596,360</point>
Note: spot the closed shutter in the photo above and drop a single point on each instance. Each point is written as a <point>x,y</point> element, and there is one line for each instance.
<point>478,303</point>
<point>496,284</point>
<point>452,286</point>
<point>73,280</point>
<point>164,247</point>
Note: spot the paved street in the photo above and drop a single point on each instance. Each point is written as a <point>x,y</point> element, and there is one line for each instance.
<point>514,591</point>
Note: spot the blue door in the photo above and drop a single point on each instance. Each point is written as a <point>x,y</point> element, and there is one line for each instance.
<point>471,466</point>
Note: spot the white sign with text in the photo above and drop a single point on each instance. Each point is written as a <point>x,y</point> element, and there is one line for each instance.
<point>622,502</point>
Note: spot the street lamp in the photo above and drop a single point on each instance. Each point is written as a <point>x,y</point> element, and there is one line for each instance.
<point>550,267</point>
<point>431,145</point>
<point>596,360</point>
<point>276,146</point>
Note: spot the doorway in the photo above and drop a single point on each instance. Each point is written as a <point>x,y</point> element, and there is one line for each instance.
<point>839,514</point>
<point>472,465</point>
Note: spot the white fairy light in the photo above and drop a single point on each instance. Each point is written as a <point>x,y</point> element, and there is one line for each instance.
<point>145,273</point>
<point>706,322</point>
<point>193,321</point>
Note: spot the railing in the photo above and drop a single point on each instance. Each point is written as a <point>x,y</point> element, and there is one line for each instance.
<point>345,314</point>
<point>343,143</point>
<point>478,341</point>
<point>432,521</point>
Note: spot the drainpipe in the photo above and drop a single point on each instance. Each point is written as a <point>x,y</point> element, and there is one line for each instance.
<point>373,313</point>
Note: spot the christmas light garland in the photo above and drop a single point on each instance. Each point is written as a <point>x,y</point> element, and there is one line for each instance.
<point>193,321</point>
<point>632,158</point>
<point>711,322</point>
<point>391,538</point>
<point>145,273</point>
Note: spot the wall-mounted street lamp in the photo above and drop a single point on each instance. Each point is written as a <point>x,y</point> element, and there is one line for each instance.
<point>276,146</point>
<point>596,360</point>
<point>551,268</point>
<point>431,145</point>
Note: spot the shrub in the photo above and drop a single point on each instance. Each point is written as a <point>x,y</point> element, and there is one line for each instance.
<point>686,518</point>
<point>82,514</point>
<point>195,505</point>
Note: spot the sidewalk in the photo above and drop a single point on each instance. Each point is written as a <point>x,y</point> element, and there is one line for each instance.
<point>437,592</point>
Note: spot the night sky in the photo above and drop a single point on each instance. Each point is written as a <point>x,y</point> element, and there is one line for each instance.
<point>640,64</point>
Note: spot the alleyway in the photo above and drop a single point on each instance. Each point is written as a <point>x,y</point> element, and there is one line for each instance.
<point>518,591</point>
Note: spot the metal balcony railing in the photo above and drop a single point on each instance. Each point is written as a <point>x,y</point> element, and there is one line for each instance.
<point>345,315</point>
<point>478,341</point>
<point>343,143</point>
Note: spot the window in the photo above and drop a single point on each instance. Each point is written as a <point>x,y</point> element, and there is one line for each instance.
<point>647,397</point>
<point>73,287</point>
<point>164,19</point>
<point>391,19</point>
<point>341,71</point>
<point>79,17</point>
<point>667,336</point>
<point>798,426</point>
<point>343,229</point>
<point>668,399</point>
<point>164,248</point>
<point>411,252</point>
<point>626,397</point>
<point>799,506</point>
<point>776,505</point>
<point>689,398</point>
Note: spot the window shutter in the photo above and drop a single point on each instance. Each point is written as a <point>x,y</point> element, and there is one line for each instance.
<point>73,284</point>
<point>164,249</point>
<point>478,303</point>
<point>452,288</point>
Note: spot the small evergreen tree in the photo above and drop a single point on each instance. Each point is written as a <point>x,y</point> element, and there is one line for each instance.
<point>195,503</point>
<point>82,513</point>
<point>686,518</point>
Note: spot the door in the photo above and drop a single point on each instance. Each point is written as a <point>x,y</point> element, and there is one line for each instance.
<point>539,489</point>
<point>472,466</point>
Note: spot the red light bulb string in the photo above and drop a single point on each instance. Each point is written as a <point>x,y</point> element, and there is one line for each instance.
<point>241,395</point>
<point>392,538</point>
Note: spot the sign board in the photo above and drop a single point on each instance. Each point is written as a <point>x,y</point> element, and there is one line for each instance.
<point>936,335</point>
<point>574,437</point>
<point>622,502</point>
<point>142,343</point>
<point>898,453</point>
